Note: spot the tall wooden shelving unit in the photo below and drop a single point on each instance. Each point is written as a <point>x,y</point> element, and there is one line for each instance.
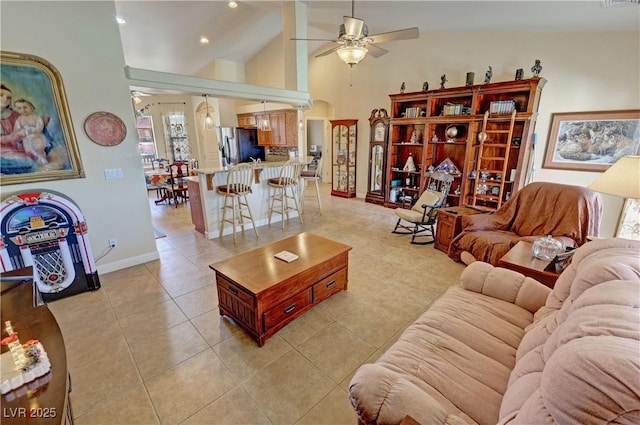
<point>438,125</point>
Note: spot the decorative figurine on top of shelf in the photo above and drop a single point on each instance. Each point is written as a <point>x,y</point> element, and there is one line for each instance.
<point>536,68</point>
<point>443,79</point>
<point>414,137</point>
<point>519,74</point>
<point>409,165</point>
<point>470,77</point>
<point>434,139</point>
<point>457,191</point>
<point>488,75</point>
<point>402,87</point>
<point>425,86</point>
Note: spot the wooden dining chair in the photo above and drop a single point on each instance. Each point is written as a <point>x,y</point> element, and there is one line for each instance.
<point>177,182</point>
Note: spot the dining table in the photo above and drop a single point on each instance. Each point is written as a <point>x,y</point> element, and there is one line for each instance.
<point>160,181</point>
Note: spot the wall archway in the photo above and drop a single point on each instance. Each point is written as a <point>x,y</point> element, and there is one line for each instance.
<point>207,139</point>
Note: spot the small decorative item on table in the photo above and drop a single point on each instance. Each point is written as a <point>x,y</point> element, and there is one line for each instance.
<point>546,248</point>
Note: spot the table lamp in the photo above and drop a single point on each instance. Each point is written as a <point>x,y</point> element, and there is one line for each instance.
<point>623,179</point>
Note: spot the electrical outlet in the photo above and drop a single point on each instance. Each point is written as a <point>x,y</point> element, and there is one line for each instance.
<point>113,243</point>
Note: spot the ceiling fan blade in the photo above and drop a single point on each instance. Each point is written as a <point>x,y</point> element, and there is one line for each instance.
<point>405,34</point>
<point>328,52</point>
<point>353,26</point>
<point>376,51</point>
<point>312,39</point>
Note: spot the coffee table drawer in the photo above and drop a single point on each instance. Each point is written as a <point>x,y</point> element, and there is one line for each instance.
<point>234,290</point>
<point>330,285</point>
<point>286,309</point>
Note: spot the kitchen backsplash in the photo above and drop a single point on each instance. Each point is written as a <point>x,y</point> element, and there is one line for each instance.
<point>278,154</point>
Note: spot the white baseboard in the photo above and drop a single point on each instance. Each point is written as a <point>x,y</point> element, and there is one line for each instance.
<point>128,262</point>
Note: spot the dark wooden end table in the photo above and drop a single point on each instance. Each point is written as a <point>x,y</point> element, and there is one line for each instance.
<point>520,258</point>
<point>450,225</point>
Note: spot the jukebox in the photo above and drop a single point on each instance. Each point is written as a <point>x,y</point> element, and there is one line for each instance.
<point>46,230</point>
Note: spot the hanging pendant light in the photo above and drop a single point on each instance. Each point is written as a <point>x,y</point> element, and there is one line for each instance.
<point>208,119</point>
<point>264,124</point>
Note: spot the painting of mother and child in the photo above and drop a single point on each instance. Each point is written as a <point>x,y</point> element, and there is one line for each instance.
<point>34,143</point>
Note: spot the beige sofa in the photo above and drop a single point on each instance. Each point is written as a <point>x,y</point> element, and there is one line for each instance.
<point>502,348</point>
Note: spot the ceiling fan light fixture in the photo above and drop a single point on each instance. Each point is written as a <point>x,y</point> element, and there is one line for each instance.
<point>208,119</point>
<point>352,55</point>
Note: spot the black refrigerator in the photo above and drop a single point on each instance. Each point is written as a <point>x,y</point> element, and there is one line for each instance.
<point>239,145</point>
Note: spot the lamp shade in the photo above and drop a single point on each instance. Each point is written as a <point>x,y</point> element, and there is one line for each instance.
<point>621,179</point>
<point>351,55</point>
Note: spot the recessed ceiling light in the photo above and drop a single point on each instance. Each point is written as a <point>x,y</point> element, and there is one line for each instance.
<point>121,20</point>
<point>204,40</point>
<point>233,4</point>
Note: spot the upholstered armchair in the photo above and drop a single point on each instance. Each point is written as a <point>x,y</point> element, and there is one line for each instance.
<point>568,213</point>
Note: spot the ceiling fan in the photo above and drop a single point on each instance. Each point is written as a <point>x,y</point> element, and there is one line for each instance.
<point>354,41</point>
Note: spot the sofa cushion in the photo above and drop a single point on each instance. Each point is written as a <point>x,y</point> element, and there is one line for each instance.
<point>589,301</point>
<point>594,263</point>
<point>457,355</point>
<point>587,371</point>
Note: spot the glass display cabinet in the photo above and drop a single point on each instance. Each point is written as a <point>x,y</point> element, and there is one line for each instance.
<point>344,134</point>
<point>378,138</point>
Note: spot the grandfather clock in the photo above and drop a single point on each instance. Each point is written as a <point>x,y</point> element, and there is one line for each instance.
<point>378,138</point>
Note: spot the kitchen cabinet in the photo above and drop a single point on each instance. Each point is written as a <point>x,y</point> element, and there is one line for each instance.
<point>284,127</point>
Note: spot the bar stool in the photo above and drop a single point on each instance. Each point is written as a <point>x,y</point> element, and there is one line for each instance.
<point>314,176</point>
<point>239,181</point>
<point>285,190</point>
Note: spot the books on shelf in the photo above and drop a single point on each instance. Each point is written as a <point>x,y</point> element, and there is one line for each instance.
<point>502,106</point>
<point>412,112</point>
<point>286,256</point>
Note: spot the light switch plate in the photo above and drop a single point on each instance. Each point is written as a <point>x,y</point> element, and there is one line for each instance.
<point>112,173</point>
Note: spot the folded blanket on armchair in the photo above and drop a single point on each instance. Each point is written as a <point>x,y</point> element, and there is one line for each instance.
<point>568,213</point>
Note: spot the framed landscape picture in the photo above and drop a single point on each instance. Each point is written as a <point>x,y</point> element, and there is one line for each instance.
<point>591,141</point>
<point>37,142</point>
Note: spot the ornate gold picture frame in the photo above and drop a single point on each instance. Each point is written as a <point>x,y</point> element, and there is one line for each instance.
<point>37,142</point>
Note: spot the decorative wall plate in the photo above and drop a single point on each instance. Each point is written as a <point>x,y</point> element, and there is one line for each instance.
<point>105,128</point>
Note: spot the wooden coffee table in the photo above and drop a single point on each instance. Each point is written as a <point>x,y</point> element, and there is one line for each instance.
<point>262,293</point>
<point>520,258</point>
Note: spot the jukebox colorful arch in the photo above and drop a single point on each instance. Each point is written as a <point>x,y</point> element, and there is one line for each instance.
<point>46,230</point>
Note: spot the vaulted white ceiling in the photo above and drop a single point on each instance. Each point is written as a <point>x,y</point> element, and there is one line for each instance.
<point>164,35</point>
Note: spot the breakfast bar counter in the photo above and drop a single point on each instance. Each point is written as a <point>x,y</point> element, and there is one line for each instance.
<point>206,205</point>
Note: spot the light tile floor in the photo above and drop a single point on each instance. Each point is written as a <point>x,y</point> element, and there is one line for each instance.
<point>150,347</point>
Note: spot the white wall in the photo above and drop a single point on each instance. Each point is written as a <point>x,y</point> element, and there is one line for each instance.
<point>82,41</point>
<point>585,72</point>
<point>267,67</point>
